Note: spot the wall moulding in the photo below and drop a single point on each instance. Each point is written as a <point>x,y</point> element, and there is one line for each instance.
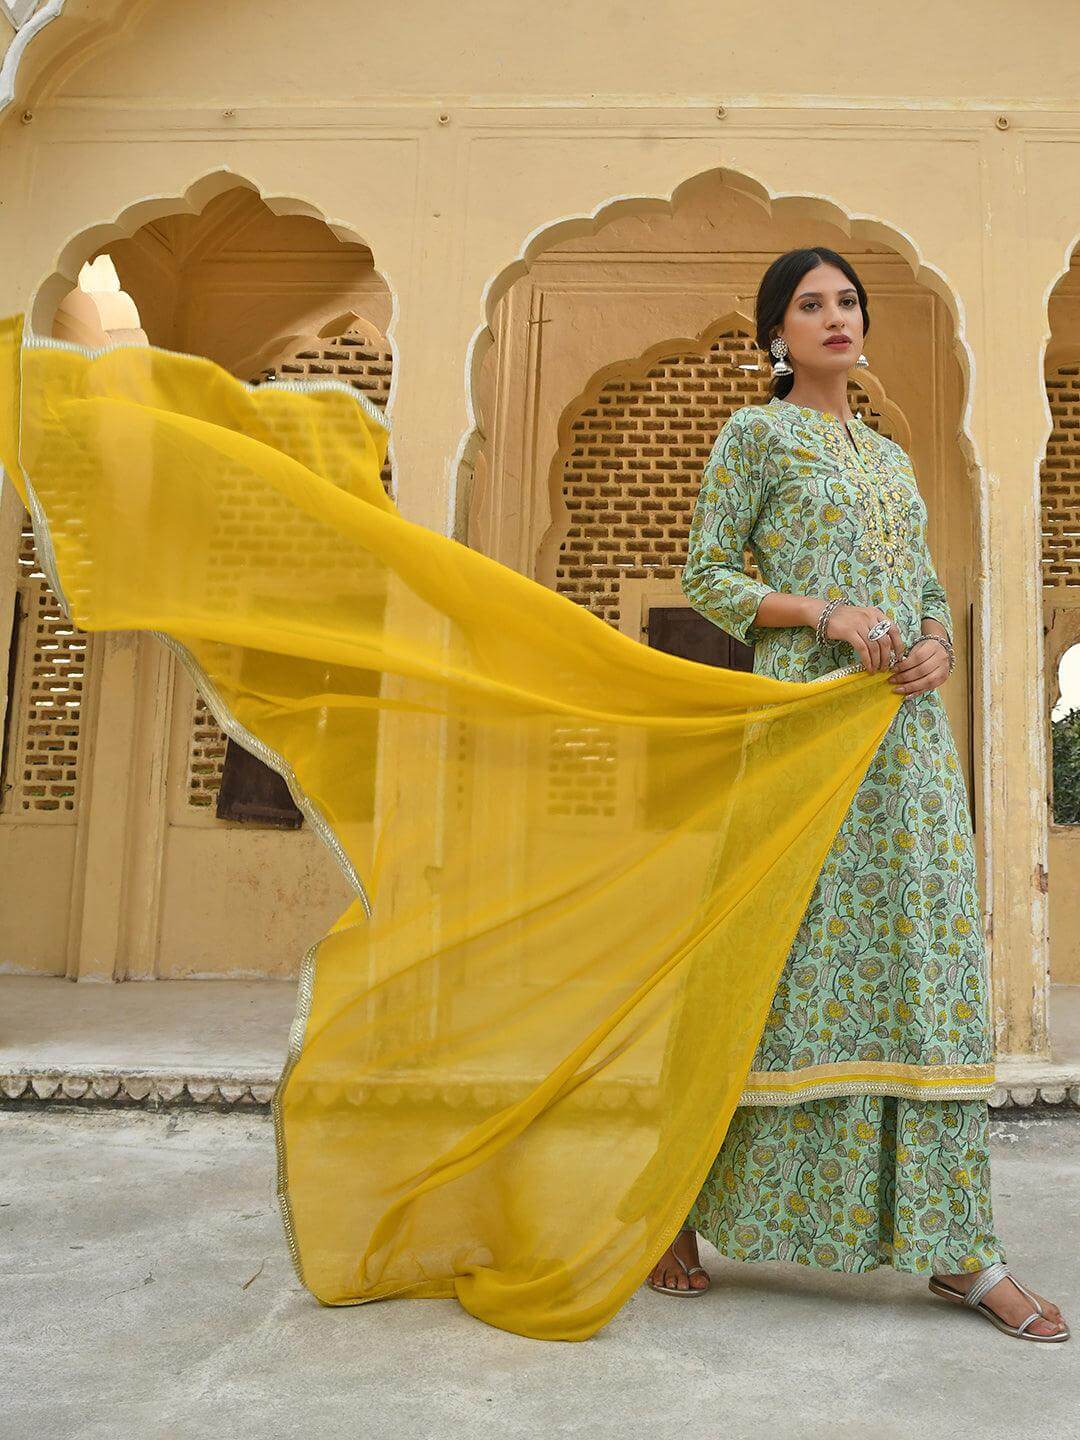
<point>246,1092</point>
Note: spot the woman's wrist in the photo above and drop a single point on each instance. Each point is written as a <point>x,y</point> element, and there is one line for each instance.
<point>813,605</point>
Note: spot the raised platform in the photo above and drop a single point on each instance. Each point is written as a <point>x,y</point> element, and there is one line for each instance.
<point>217,1043</point>
<point>221,1044</point>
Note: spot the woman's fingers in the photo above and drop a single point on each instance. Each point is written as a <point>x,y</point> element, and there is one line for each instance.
<point>915,674</point>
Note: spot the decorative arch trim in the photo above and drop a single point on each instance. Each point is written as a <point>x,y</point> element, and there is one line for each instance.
<point>65,275</point>
<point>735,320</point>
<point>16,51</point>
<point>780,203</point>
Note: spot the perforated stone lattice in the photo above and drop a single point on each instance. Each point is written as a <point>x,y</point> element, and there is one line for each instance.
<point>362,362</point>
<point>1060,481</point>
<point>45,736</point>
<point>366,363</point>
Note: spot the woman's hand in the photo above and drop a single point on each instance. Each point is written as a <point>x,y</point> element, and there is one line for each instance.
<point>924,668</point>
<point>851,622</point>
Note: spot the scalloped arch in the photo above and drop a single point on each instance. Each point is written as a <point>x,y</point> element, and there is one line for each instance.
<point>734,320</point>
<point>1054,353</point>
<point>207,187</point>
<point>348,323</point>
<point>775,203</point>
<point>1058,354</point>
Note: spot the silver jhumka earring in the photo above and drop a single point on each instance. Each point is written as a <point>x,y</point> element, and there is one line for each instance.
<point>780,365</point>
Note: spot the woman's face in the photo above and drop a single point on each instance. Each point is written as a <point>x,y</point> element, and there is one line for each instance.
<point>824,307</point>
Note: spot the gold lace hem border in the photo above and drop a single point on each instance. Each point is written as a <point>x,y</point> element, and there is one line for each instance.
<point>868,1077</point>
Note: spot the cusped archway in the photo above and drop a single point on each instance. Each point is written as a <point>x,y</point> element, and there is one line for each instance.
<point>252,281</point>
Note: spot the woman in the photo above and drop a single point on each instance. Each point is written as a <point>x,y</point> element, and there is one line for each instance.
<point>886,974</point>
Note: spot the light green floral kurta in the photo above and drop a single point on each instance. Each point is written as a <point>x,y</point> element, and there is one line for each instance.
<point>880,1020</point>
<point>884,990</point>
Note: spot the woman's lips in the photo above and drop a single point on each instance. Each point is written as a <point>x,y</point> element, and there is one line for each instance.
<point>843,341</point>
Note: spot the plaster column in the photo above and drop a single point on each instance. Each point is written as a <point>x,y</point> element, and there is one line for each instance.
<point>1010,405</point>
<point>123,816</point>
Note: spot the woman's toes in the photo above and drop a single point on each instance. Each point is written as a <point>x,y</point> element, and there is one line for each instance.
<point>1052,1312</point>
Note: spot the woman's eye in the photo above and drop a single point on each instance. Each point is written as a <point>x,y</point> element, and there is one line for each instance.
<point>849,301</point>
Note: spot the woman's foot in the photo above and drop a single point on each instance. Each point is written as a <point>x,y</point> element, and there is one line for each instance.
<point>1010,1303</point>
<point>667,1270</point>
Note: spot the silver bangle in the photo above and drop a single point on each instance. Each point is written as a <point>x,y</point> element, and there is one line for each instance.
<point>823,619</point>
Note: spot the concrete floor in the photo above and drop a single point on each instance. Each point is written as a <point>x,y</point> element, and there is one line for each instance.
<point>149,1296</point>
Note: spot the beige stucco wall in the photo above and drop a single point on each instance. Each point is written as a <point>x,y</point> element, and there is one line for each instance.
<point>462,143</point>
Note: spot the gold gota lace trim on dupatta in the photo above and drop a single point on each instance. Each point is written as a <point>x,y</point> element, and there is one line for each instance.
<point>243,737</point>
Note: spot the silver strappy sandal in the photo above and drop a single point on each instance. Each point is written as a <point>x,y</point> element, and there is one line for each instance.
<point>687,1270</point>
<point>988,1278</point>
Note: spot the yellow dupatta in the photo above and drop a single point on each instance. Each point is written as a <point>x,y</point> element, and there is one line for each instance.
<point>579,863</point>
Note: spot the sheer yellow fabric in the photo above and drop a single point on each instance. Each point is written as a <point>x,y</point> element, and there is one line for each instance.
<point>579,863</point>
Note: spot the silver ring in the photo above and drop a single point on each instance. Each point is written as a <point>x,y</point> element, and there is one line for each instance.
<point>878,629</point>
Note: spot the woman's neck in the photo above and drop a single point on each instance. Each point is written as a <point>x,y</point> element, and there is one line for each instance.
<point>831,398</point>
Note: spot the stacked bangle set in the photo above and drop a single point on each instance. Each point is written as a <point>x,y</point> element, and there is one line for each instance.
<point>830,606</point>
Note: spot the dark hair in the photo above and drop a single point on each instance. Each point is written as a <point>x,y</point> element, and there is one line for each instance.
<point>775,292</point>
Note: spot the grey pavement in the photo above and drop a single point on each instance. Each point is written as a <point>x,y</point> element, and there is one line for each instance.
<point>147,1294</point>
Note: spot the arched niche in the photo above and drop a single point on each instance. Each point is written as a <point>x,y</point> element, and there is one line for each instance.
<point>632,448</point>
<point>249,280</point>
<point>228,273</point>
<point>588,289</point>
<point>1059,512</point>
<point>593,296</point>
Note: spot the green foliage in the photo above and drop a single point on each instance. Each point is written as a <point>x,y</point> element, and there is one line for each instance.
<point>1065,748</point>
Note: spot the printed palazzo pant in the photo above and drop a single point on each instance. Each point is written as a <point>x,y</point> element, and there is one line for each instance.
<point>852,1182</point>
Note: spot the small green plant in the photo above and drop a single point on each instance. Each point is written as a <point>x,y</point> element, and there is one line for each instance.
<point>1065,751</point>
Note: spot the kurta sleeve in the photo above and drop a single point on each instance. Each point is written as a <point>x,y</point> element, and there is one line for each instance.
<point>935,603</point>
<point>727,508</point>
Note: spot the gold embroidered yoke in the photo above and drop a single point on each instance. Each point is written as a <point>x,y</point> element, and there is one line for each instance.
<point>885,988</point>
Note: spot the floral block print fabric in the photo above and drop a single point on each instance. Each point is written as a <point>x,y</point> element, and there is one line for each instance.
<point>884,991</point>
<point>853,1182</point>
